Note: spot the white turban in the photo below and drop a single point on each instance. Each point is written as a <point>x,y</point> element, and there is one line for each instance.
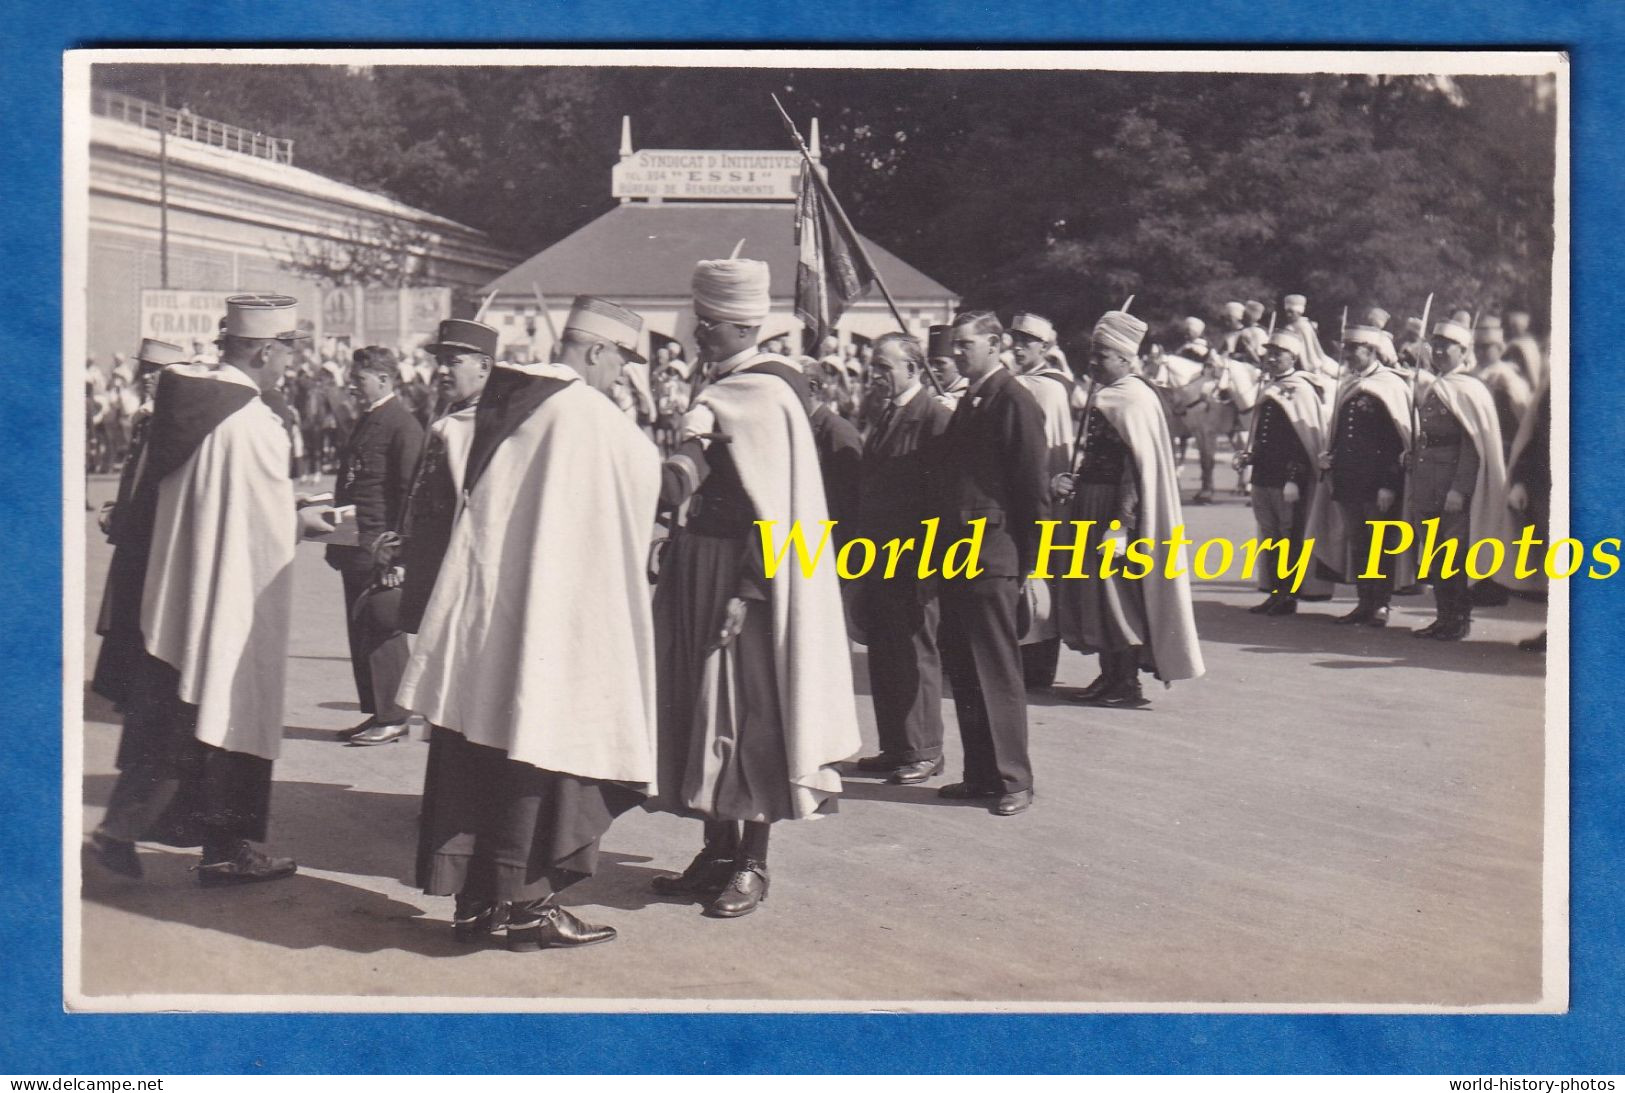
<point>733,290</point>
<point>1120,331</point>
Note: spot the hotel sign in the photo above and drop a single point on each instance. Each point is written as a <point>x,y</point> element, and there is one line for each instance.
<point>678,175</point>
<point>179,316</point>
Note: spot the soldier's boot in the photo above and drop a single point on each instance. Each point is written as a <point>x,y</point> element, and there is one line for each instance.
<point>1461,617</point>
<point>1441,616</point>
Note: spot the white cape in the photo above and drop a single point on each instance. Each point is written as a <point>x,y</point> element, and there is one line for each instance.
<point>538,639</point>
<point>219,588</point>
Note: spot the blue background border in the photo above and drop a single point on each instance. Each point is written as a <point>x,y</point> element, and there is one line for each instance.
<point>37,1037</point>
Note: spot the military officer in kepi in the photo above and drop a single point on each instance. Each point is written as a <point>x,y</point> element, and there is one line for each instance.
<point>195,646</point>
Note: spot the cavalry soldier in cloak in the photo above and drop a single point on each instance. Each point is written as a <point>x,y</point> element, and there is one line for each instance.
<point>1522,349</point>
<point>1459,477</point>
<point>1235,321</point>
<point>195,641</point>
<point>756,696</point>
<point>1377,319</point>
<point>1288,435</point>
<point>1364,470</point>
<point>994,463</point>
<point>1508,384</point>
<point>535,657</point>
<point>901,462</point>
<point>1126,484</point>
<point>1253,335</point>
<point>1293,318</point>
<point>1033,343</point>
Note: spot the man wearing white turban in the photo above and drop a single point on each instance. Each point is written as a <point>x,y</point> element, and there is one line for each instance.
<point>754,675</point>
<point>1125,485</point>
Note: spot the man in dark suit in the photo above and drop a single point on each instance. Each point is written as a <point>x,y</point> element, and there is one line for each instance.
<point>900,613</point>
<point>994,469</point>
<point>840,453</point>
<point>375,475</point>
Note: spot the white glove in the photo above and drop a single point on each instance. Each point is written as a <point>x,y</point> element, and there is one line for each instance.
<point>699,419</point>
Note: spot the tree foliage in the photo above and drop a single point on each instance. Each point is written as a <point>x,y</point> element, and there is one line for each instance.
<point>1060,192</point>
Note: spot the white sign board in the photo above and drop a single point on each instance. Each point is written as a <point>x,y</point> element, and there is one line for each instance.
<point>179,315</point>
<point>678,174</point>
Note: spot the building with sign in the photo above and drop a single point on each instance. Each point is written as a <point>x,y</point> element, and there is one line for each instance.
<point>223,208</point>
<point>678,206</point>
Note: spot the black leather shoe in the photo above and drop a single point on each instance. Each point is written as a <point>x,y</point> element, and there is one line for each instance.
<point>1262,608</point>
<point>1101,684</point>
<point>1429,630</point>
<point>1455,630</point>
<point>246,866</point>
<point>705,876</point>
<point>1536,644</point>
<point>114,855</point>
<point>1358,615</point>
<point>965,791</point>
<point>915,773</point>
<point>549,926</point>
<point>475,920</point>
<point>878,764</point>
<point>1282,605</point>
<point>1377,619</point>
<point>1125,694</point>
<point>356,730</point>
<point>380,734</point>
<point>746,889</point>
<point>1011,803</point>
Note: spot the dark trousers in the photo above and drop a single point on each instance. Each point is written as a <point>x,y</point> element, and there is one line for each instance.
<point>366,643</point>
<point>494,829</point>
<point>905,671</point>
<point>1374,592</point>
<point>982,661</point>
<point>173,788</point>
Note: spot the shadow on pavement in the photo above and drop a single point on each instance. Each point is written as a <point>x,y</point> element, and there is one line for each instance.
<point>909,795</point>
<point>306,732</point>
<point>331,827</point>
<point>100,709</point>
<point>1390,647</point>
<point>622,882</point>
<point>301,912</point>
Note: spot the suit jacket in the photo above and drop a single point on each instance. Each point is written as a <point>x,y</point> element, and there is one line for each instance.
<point>901,464</point>
<point>375,475</point>
<point>995,466</point>
<point>840,456</point>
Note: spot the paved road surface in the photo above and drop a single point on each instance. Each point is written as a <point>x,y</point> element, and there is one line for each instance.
<point>1330,816</point>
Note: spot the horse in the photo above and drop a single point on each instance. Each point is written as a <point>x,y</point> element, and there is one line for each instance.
<point>1206,400</point>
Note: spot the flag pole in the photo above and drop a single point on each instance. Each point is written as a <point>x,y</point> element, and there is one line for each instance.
<point>846,225</point>
<point>547,316</point>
